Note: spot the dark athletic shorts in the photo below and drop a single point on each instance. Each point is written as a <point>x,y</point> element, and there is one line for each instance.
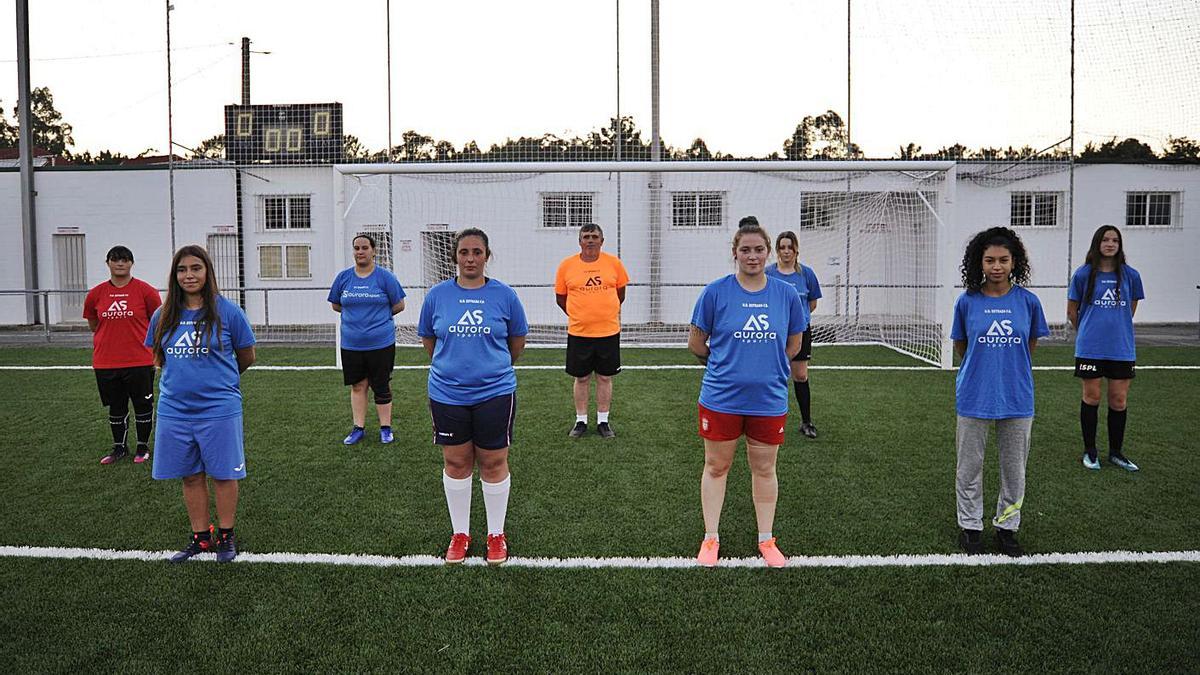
<point>587,355</point>
<point>374,365</point>
<point>488,424</point>
<point>1090,369</point>
<point>121,384</point>
<point>805,352</point>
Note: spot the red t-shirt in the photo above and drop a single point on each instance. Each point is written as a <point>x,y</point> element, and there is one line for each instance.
<point>124,316</point>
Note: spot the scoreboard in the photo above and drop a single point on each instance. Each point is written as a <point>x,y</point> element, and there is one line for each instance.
<point>298,132</point>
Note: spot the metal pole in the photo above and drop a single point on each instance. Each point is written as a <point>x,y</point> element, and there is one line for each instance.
<point>617,146</point>
<point>245,71</point>
<point>1071,160</point>
<point>170,131</point>
<point>655,186</point>
<point>25,142</point>
<point>391,158</point>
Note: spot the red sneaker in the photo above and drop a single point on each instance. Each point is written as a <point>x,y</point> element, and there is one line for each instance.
<point>457,552</point>
<point>497,549</point>
<point>771,554</point>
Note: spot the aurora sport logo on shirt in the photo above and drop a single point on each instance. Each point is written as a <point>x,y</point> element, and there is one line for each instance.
<point>1110,298</point>
<point>119,309</point>
<point>756,329</point>
<point>1000,334</point>
<point>187,345</point>
<point>470,324</point>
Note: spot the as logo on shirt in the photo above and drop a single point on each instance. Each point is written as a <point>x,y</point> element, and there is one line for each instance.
<point>1110,298</point>
<point>593,284</point>
<point>1000,333</point>
<point>757,329</point>
<point>471,324</point>
<point>187,345</point>
<point>119,309</point>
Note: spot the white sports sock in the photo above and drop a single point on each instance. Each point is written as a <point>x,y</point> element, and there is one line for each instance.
<point>711,535</point>
<point>581,418</point>
<point>495,502</point>
<point>601,417</point>
<point>458,500</point>
<point>763,536</point>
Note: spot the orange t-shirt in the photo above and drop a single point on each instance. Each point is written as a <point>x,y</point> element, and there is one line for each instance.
<point>593,309</point>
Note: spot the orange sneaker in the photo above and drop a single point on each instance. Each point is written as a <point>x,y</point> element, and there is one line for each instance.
<point>770,553</point>
<point>459,543</point>
<point>708,552</point>
<point>497,549</point>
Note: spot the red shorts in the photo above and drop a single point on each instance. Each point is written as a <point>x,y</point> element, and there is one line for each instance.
<point>719,426</point>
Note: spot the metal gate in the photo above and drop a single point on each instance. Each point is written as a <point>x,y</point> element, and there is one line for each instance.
<point>70,259</point>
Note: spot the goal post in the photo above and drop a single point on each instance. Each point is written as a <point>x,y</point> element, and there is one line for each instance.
<point>875,233</point>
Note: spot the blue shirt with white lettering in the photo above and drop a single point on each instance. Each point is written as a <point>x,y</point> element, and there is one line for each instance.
<point>200,378</point>
<point>995,378</point>
<point>1106,322</point>
<point>804,281</point>
<point>748,368</point>
<point>367,302</point>
<point>471,361</point>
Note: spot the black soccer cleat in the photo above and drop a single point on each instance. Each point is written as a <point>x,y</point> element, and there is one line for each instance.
<point>226,548</point>
<point>971,541</point>
<point>808,430</point>
<point>578,430</point>
<point>1006,540</point>
<point>605,431</point>
<point>195,546</point>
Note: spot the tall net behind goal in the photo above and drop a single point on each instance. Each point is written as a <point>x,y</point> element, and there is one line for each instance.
<point>871,231</point>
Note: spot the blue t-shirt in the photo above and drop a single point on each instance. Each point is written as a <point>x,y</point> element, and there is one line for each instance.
<point>804,281</point>
<point>200,377</point>
<point>748,369</point>
<point>367,322</point>
<point>471,361</point>
<point>995,379</point>
<point>1106,322</point>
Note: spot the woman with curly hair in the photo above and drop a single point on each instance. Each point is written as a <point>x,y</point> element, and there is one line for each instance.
<point>1101,302</point>
<point>996,327</point>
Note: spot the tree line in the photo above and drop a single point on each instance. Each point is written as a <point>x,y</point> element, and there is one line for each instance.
<point>822,136</point>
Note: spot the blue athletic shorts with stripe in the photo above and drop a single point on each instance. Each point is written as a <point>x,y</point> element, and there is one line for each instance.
<point>184,447</point>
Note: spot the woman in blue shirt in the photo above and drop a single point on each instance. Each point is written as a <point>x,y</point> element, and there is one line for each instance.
<point>474,330</point>
<point>745,328</point>
<point>996,327</point>
<point>1101,302</point>
<point>367,297</point>
<point>804,280</point>
<point>203,343</point>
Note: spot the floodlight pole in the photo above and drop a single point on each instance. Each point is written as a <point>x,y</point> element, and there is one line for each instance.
<point>25,143</point>
<point>170,132</point>
<point>1071,159</point>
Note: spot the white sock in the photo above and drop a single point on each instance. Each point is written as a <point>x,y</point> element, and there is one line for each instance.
<point>711,535</point>
<point>763,536</point>
<point>458,500</point>
<point>581,418</point>
<point>601,417</point>
<point>495,501</point>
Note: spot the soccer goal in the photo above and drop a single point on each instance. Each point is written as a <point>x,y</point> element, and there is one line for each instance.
<point>873,232</point>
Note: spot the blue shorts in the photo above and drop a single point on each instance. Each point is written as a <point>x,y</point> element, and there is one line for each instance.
<point>488,424</point>
<point>184,447</point>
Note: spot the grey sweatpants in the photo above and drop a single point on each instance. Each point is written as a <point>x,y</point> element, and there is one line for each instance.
<point>1012,436</point>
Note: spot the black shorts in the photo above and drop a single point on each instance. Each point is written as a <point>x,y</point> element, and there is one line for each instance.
<point>587,355</point>
<point>488,424</point>
<point>1091,369</point>
<point>117,385</point>
<point>374,366</point>
<point>805,352</point>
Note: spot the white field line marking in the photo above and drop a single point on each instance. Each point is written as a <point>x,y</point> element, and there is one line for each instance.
<point>352,560</point>
<point>660,367</point>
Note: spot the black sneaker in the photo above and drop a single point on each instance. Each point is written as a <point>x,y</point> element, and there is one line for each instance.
<point>605,431</point>
<point>196,545</point>
<point>226,548</point>
<point>971,541</point>
<point>1007,541</point>
<point>115,455</point>
<point>1117,459</point>
<point>808,430</point>
<point>578,430</point>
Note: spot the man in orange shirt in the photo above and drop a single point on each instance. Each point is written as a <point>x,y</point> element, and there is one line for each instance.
<point>590,288</point>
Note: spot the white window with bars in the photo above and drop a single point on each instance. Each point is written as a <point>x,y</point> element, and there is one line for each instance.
<point>284,261</point>
<point>697,209</point>
<point>383,244</point>
<point>566,209</point>
<point>284,212</point>
<point>1033,209</point>
<point>818,209</point>
<point>1151,209</point>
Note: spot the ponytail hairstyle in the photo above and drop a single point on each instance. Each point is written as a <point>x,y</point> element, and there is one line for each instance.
<point>1093,262</point>
<point>208,323</point>
<point>972,262</point>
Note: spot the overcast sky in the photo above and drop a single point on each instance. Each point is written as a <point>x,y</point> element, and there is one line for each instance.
<point>741,75</point>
